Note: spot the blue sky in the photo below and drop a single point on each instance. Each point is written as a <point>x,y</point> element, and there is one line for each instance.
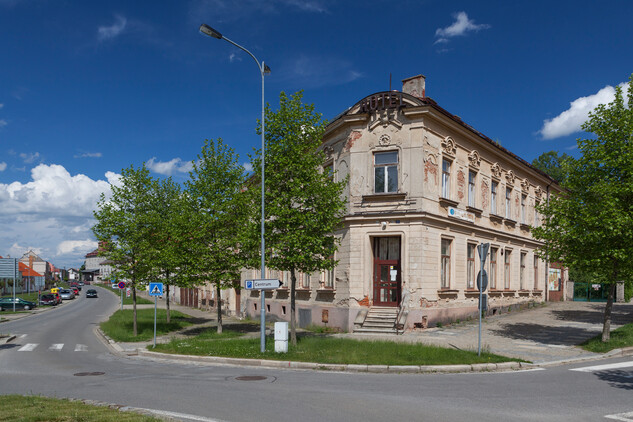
<point>90,87</point>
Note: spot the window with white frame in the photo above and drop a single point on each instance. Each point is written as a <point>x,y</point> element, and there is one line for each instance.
<point>509,203</point>
<point>445,277</point>
<point>472,176</point>
<point>494,187</point>
<point>522,270</point>
<point>493,267</point>
<point>470,266</point>
<point>535,272</point>
<point>386,172</point>
<point>327,279</point>
<point>506,269</point>
<point>446,178</point>
<point>305,281</point>
<point>536,217</point>
<point>523,205</point>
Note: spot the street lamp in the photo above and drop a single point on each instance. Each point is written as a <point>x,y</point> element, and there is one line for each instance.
<point>263,70</point>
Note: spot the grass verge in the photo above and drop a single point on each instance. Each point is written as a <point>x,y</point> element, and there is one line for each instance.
<point>320,349</point>
<point>621,337</point>
<point>119,326</point>
<point>17,408</point>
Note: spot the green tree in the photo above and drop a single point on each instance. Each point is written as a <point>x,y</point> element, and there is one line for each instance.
<point>303,204</point>
<point>551,163</point>
<point>589,226</point>
<point>217,218</point>
<point>124,228</point>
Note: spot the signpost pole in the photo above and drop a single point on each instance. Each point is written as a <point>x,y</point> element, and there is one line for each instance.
<point>15,279</point>
<point>155,306</point>
<point>482,284</point>
<point>121,291</point>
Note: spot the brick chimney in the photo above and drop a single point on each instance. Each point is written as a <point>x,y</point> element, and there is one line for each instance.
<point>414,85</point>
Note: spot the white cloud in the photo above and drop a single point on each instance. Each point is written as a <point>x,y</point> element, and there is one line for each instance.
<point>88,155</point>
<point>234,57</point>
<point>112,31</point>
<point>3,123</point>
<point>29,157</point>
<point>1,105</point>
<point>167,168</point>
<point>69,247</point>
<point>16,251</point>
<point>3,166</point>
<point>53,212</point>
<point>460,27</point>
<point>316,71</point>
<point>571,120</point>
<point>248,167</point>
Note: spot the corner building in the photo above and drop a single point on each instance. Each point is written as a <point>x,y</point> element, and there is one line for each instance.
<point>424,190</point>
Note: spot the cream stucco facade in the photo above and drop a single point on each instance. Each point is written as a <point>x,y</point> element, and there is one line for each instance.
<point>424,190</point>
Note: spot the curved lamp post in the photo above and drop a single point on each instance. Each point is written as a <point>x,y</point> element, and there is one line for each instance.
<point>263,70</point>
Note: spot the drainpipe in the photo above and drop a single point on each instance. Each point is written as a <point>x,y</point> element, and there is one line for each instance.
<point>546,288</point>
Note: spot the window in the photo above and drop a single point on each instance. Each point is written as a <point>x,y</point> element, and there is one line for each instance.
<point>522,271</point>
<point>471,188</point>
<point>536,219</point>
<point>327,279</point>
<point>328,170</point>
<point>535,272</point>
<point>386,172</point>
<point>506,270</point>
<point>305,281</point>
<point>523,201</point>
<point>446,179</point>
<point>509,203</point>
<point>493,267</point>
<point>494,187</point>
<point>470,266</point>
<point>445,277</point>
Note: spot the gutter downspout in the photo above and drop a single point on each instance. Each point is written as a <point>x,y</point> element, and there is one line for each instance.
<point>547,259</point>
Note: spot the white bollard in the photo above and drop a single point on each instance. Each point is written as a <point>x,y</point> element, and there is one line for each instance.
<point>281,337</point>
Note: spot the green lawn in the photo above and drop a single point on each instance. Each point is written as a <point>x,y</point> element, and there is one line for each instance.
<point>621,337</point>
<point>33,297</point>
<point>17,408</point>
<point>126,300</point>
<point>119,326</point>
<point>322,349</point>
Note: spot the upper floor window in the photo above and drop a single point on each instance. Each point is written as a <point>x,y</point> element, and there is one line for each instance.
<point>523,205</point>
<point>509,203</point>
<point>471,188</point>
<point>494,187</point>
<point>446,178</point>
<point>536,217</point>
<point>386,172</point>
<point>328,170</point>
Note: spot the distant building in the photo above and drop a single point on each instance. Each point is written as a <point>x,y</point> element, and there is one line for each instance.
<point>32,260</point>
<point>97,268</point>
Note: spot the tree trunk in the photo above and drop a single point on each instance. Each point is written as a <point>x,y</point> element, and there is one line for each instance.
<point>606,327</point>
<point>293,316</point>
<point>167,303</point>
<point>219,306</point>
<point>135,329</point>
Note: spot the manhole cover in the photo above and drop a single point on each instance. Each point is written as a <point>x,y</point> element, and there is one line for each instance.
<point>251,378</point>
<point>88,374</point>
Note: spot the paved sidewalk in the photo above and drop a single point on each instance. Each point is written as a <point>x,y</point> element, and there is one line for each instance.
<point>543,335</point>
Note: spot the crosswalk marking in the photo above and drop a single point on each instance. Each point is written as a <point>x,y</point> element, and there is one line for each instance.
<point>625,417</point>
<point>28,347</point>
<point>604,367</point>
<point>56,347</point>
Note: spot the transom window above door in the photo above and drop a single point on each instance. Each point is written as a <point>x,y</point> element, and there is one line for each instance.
<point>386,172</point>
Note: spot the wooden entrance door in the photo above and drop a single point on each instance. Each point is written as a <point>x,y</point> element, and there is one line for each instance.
<point>387,285</point>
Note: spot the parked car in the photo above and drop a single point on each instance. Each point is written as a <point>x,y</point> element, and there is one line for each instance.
<point>48,299</point>
<point>6,303</point>
<point>81,283</point>
<point>57,297</point>
<point>91,293</point>
<point>75,290</point>
<point>67,294</point>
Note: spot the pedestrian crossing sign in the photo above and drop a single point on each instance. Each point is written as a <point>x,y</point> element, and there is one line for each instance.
<point>155,289</point>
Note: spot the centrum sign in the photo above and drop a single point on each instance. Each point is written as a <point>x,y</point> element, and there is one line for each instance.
<point>262,284</point>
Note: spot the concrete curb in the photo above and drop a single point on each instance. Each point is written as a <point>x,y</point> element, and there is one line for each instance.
<point>8,339</point>
<point>409,369</point>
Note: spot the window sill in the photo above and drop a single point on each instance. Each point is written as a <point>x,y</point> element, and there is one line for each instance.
<point>445,202</point>
<point>447,292</point>
<point>509,222</point>
<point>495,292</point>
<point>471,292</point>
<point>474,210</point>
<point>326,290</point>
<point>526,227</point>
<point>390,196</point>
<point>495,217</point>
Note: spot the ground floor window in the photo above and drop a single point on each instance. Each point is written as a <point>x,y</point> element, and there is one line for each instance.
<point>470,266</point>
<point>445,277</point>
<point>506,270</point>
<point>493,267</point>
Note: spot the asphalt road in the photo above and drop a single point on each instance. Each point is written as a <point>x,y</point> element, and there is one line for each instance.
<point>84,368</point>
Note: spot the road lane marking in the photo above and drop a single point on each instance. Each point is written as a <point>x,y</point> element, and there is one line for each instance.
<point>81,348</point>
<point>28,347</point>
<point>604,367</point>
<point>179,415</point>
<point>625,417</point>
<point>56,347</point>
